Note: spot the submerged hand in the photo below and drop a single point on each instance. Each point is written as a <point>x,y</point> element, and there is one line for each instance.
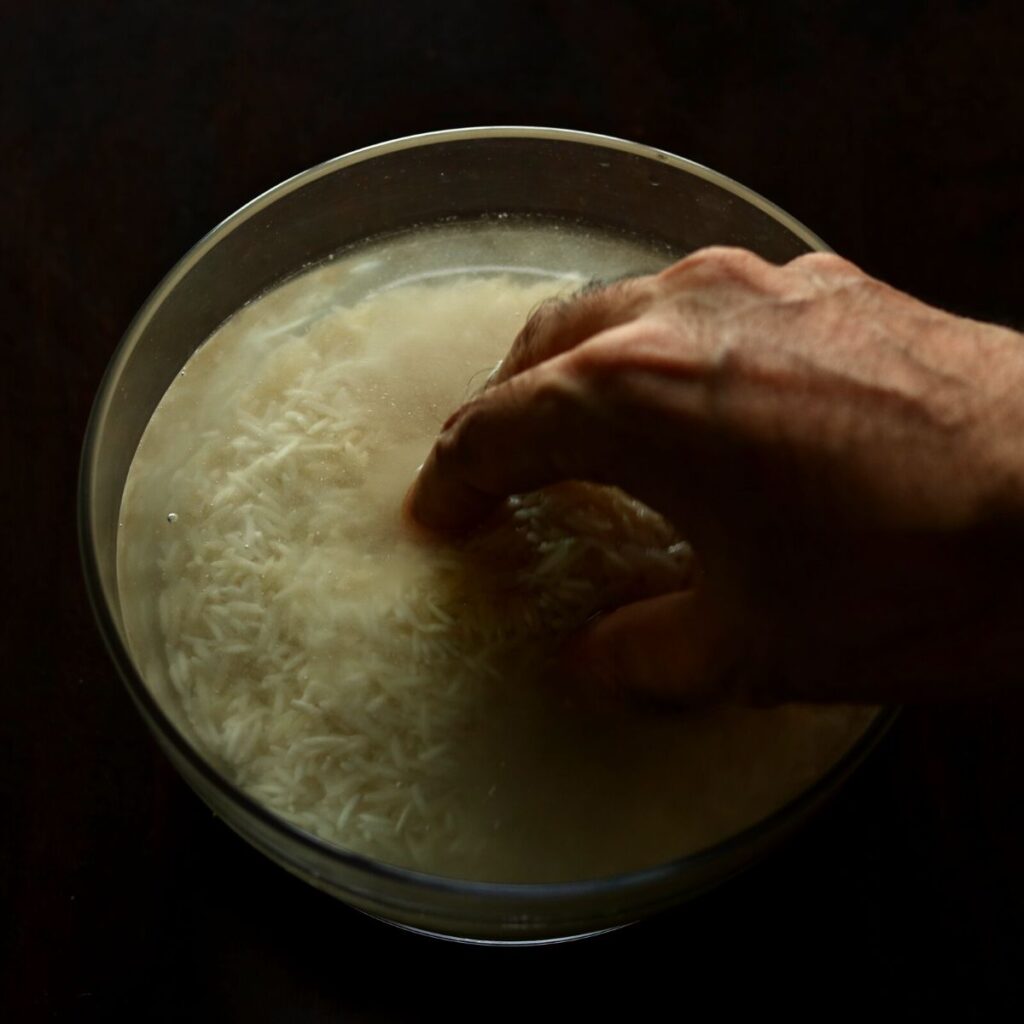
<point>845,459</point>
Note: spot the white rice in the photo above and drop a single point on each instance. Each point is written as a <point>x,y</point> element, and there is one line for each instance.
<point>387,694</point>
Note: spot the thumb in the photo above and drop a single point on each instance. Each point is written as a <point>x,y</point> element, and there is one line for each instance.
<point>671,649</point>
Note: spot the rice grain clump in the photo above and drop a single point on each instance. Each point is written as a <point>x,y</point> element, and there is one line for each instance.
<point>386,694</point>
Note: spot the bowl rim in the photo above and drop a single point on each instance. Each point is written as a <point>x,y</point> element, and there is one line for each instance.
<point>161,724</point>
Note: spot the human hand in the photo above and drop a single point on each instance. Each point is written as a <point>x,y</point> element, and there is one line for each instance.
<point>843,457</point>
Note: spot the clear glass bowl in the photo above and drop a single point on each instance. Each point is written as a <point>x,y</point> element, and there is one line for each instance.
<point>423,179</point>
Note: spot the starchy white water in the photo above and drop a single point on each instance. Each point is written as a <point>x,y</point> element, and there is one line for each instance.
<point>389,694</point>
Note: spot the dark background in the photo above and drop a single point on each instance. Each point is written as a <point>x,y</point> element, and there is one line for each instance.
<point>129,129</point>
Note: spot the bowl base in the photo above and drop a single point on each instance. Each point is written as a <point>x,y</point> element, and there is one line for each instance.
<point>468,941</point>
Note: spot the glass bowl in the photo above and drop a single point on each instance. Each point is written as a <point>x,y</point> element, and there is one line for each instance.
<point>442,176</point>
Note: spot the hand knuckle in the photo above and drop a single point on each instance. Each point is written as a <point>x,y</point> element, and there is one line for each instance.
<point>824,263</point>
<point>725,256</point>
<point>721,264</point>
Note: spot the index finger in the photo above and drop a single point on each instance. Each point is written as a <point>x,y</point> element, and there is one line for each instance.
<point>560,324</point>
<point>540,427</point>
<point>488,450</point>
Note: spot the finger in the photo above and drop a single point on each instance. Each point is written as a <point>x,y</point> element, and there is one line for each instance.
<point>536,429</point>
<point>589,415</point>
<point>559,325</point>
<point>672,649</point>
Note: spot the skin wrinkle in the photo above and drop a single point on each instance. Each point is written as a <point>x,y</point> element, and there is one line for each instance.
<point>780,386</point>
<point>768,382</point>
<point>830,385</point>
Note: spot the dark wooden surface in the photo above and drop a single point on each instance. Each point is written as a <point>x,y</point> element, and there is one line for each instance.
<point>128,130</point>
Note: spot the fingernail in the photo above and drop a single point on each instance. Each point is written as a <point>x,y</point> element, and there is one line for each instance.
<point>494,373</point>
